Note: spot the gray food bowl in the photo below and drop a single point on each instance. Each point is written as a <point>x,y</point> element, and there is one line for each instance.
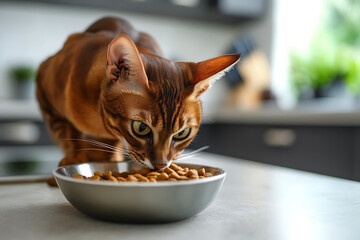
<point>141,202</point>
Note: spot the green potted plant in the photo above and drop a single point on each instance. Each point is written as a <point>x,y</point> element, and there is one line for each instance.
<point>324,69</point>
<point>23,82</point>
<point>333,59</point>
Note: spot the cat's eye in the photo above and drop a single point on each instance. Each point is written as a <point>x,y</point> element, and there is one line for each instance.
<point>182,134</point>
<point>140,129</point>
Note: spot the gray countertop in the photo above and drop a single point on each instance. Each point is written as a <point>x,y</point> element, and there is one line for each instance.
<point>257,201</point>
<point>289,117</point>
<point>321,112</point>
<point>333,112</point>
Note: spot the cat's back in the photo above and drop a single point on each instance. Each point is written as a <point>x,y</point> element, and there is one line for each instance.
<point>67,74</point>
<point>77,70</point>
<point>69,83</point>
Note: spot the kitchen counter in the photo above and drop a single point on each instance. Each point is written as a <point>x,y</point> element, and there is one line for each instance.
<point>320,112</point>
<point>324,112</point>
<point>290,117</point>
<point>257,201</point>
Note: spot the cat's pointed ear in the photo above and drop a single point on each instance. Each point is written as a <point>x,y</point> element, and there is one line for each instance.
<point>124,63</point>
<point>204,73</point>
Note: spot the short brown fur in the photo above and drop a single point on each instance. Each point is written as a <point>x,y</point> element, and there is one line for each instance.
<point>111,75</point>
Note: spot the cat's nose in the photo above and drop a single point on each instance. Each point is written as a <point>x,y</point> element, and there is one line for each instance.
<point>160,166</point>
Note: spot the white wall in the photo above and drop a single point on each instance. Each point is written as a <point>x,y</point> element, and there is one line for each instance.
<point>31,32</point>
<point>294,25</point>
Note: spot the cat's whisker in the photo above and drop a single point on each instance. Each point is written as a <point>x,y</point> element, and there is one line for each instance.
<point>190,154</point>
<point>104,144</point>
<point>100,150</point>
<point>132,155</point>
<point>97,143</point>
<point>94,149</point>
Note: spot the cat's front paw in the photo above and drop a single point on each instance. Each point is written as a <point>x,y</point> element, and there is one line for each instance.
<point>52,182</point>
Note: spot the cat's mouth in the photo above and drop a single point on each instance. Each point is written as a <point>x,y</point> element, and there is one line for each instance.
<point>136,157</point>
<point>161,166</point>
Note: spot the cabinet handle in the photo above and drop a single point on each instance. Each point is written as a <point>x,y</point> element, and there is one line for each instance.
<point>19,132</point>
<point>276,137</point>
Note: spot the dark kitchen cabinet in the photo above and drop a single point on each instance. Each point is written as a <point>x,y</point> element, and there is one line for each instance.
<point>356,158</point>
<point>24,132</point>
<point>326,150</point>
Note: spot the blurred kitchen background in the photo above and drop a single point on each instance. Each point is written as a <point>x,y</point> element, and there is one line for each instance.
<point>292,101</point>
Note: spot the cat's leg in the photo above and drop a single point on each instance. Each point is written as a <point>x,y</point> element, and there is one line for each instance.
<point>79,148</point>
<point>63,133</point>
<point>76,147</point>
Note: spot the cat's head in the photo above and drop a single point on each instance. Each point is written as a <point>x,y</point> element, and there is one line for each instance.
<point>152,104</point>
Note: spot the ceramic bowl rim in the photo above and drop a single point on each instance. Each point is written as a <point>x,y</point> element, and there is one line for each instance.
<point>139,184</point>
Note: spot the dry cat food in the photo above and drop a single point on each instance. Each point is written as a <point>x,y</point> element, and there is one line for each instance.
<point>172,173</point>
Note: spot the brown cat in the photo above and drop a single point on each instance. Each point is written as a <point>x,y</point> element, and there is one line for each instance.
<point>111,84</point>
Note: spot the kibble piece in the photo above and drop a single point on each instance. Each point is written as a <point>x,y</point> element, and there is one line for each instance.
<point>76,175</point>
<point>145,180</point>
<point>144,171</point>
<point>163,177</point>
<point>172,179</point>
<point>116,174</point>
<point>124,174</point>
<point>177,177</point>
<point>107,175</point>
<point>192,173</point>
<point>141,178</point>
<point>152,179</point>
<point>95,177</point>
<point>98,174</point>
<point>181,173</point>
<point>208,175</point>
<point>153,174</point>
<point>112,179</point>
<point>201,172</point>
<point>175,167</point>
<point>121,179</point>
<point>174,175</point>
<point>132,178</point>
<point>168,170</point>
